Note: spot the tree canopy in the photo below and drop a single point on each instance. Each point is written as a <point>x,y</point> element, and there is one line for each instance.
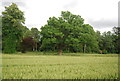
<point>12,22</point>
<point>67,33</point>
<point>67,30</point>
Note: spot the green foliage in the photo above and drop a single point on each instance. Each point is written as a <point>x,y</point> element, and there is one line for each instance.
<point>36,36</point>
<point>31,66</point>
<point>104,51</point>
<point>68,31</point>
<point>26,32</point>
<point>9,44</point>
<point>0,33</point>
<point>116,36</point>
<point>107,43</point>
<point>12,23</point>
<point>88,39</point>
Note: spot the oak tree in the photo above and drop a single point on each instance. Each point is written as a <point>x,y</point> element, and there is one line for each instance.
<point>62,31</point>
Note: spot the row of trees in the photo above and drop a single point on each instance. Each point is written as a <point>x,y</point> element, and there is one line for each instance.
<point>109,42</point>
<point>66,33</point>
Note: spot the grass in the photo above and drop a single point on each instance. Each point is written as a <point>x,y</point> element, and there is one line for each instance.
<point>38,66</point>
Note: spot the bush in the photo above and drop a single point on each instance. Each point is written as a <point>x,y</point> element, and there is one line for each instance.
<point>104,52</point>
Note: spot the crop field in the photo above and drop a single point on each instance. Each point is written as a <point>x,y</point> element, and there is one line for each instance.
<point>89,66</point>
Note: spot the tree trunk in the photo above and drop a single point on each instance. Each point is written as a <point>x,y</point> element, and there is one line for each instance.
<point>36,46</point>
<point>60,51</point>
<point>33,49</point>
<point>84,48</point>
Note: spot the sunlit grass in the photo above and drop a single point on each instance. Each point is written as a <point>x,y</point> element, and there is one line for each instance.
<point>35,66</point>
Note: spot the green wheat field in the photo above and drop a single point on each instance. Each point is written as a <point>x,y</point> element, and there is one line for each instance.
<point>82,66</point>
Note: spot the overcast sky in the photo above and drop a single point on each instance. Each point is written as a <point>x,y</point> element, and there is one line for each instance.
<point>101,14</point>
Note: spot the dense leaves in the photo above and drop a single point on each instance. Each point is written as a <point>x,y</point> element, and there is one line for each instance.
<point>68,31</point>
<point>108,42</point>
<point>0,33</point>
<point>117,39</point>
<point>36,37</point>
<point>12,22</point>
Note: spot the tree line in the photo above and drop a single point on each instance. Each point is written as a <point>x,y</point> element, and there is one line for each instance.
<point>66,33</point>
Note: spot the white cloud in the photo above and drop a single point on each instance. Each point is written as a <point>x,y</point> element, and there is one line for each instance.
<point>71,4</point>
<point>37,12</point>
